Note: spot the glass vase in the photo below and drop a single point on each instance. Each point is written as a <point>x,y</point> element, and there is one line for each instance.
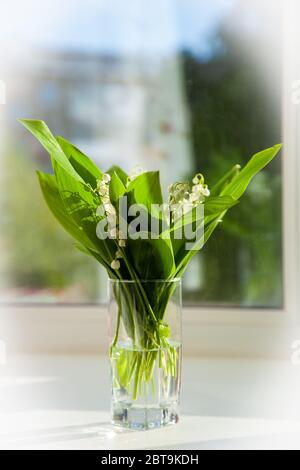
<point>145,352</point>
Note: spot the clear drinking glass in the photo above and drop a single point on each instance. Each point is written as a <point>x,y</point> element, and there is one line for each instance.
<point>145,352</point>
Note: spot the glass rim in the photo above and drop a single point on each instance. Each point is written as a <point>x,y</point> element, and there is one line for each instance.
<point>132,281</point>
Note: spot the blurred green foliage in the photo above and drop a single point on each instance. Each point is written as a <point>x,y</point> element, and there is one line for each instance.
<point>38,253</point>
<point>235,111</point>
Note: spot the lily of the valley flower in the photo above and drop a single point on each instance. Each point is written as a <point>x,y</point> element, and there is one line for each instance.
<point>103,187</point>
<point>109,208</point>
<point>108,211</point>
<point>199,193</point>
<point>198,179</point>
<point>115,264</point>
<point>178,192</point>
<point>106,178</point>
<point>182,199</point>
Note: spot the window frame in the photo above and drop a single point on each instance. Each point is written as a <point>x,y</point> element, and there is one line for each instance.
<point>207,331</point>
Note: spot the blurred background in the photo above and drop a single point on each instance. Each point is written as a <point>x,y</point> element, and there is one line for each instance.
<point>184,86</point>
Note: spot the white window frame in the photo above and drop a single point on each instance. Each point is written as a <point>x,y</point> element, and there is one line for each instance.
<point>207,331</point>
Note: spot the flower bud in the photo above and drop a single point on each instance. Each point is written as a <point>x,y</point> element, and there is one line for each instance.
<point>115,264</point>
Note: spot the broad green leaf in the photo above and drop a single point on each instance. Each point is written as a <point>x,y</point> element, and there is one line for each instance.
<point>83,249</point>
<point>184,256</point>
<point>121,174</point>
<point>116,188</point>
<point>238,186</point>
<point>151,259</point>
<point>194,221</point>
<point>212,206</point>
<point>225,180</point>
<point>208,231</point>
<point>56,206</point>
<point>71,198</point>
<point>82,164</point>
<point>81,204</point>
<point>235,189</point>
<point>145,190</point>
<point>43,134</point>
<point>179,244</point>
<point>210,228</point>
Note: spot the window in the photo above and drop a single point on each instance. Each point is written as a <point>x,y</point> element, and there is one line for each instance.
<point>181,85</point>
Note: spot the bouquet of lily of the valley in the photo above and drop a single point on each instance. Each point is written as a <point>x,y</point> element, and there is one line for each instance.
<point>123,222</point>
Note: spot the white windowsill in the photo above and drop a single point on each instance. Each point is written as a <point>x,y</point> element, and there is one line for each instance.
<point>210,332</point>
<point>63,402</point>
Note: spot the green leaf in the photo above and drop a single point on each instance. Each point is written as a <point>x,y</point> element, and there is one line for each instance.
<point>43,134</point>
<point>215,205</point>
<point>116,188</point>
<point>81,205</point>
<point>179,244</point>
<point>145,190</point>
<point>235,189</point>
<point>238,186</point>
<point>151,259</point>
<point>56,206</point>
<point>225,180</point>
<point>196,220</point>
<point>210,228</point>
<point>212,206</point>
<point>83,249</point>
<point>82,164</point>
<point>121,174</point>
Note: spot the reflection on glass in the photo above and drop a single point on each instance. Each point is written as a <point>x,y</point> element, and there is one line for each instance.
<point>182,86</point>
